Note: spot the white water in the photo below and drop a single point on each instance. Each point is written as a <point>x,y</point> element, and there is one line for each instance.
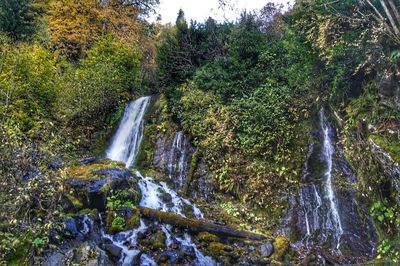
<point>201,260</point>
<point>125,147</point>
<point>328,151</point>
<point>126,142</point>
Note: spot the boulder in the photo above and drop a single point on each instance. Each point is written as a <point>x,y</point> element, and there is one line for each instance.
<point>266,249</point>
<point>170,257</point>
<point>89,189</point>
<point>113,251</point>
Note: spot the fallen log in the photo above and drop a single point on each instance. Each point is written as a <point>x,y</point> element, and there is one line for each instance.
<point>197,226</point>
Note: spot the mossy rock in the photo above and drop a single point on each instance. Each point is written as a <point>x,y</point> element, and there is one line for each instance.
<point>206,237</point>
<point>86,171</point>
<point>156,241</point>
<point>281,247</point>
<point>134,220</point>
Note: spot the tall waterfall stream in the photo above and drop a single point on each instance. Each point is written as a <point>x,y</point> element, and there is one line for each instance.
<point>324,213</point>
<point>125,147</point>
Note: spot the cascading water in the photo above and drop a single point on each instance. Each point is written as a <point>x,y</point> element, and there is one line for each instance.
<point>126,142</point>
<point>327,150</point>
<point>322,214</point>
<point>124,147</point>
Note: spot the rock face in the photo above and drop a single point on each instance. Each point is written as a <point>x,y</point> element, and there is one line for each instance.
<point>202,185</point>
<point>389,91</point>
<point>174,157</point>
<point>390,168</point>
<point>87,253</point>
<point>325,212</point>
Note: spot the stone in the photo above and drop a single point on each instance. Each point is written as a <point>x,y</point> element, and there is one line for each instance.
<point>169,256</point>
<point>113,251</point>
<point>70,227</point>
<point>266,249</point>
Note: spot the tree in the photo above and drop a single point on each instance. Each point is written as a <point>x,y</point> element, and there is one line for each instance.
<point>18,18</point>
<point>75,25</point>
<point>174,56</point>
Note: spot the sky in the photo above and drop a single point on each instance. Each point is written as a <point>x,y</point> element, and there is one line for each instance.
<point>200,10</point>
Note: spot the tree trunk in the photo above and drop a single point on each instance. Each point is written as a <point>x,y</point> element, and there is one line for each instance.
<point>196,226</point>
<point>390,17</point>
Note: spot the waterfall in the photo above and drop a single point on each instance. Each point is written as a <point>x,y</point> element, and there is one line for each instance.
<point>125,147</point>
<point>126,142</point>
<point>327,151</point>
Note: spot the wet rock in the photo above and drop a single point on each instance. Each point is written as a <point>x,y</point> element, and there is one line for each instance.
<point>119,179</point>
<point>266,249</point>
<point>187,252</point>
<point>169,256</point>
<point>88,191</point>
<point>70,227</point>
<point>113,251</point>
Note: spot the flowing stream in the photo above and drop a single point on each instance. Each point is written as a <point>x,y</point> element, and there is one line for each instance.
<point>124,147</point>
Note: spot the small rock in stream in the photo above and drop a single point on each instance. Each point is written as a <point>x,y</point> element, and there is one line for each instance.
<point>267,249</point>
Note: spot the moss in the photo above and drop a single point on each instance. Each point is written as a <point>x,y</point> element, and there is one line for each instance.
<point>76,202</point>
<point>192,168</point>
<point>20,252</point>
<point>134,220</point>
<point>390,144</point>
<point>93,213</point>
<point>217,249</point>
<point>117,225</point>
<point>145,155</point>
<point>86,171</point>
<point>157,240</point>
<point>207,237</point>
<point>281,247</point>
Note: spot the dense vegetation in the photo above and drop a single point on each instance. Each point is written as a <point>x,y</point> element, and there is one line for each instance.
<point>246,92</point>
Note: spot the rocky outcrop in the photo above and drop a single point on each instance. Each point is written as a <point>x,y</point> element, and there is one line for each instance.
<point>201,185</point>
<point>389,91</point>
<point>85,254</point>
<point>89,192</point>
<point>389,166</point>
<point>176,158</point>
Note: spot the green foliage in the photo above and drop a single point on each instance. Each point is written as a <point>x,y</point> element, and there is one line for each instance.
<point>19,18</point>
<point>262,122</point>
<point>110,70</point>
<point>118,225</point>
<point>29,84</point>
<point>388,217</point>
